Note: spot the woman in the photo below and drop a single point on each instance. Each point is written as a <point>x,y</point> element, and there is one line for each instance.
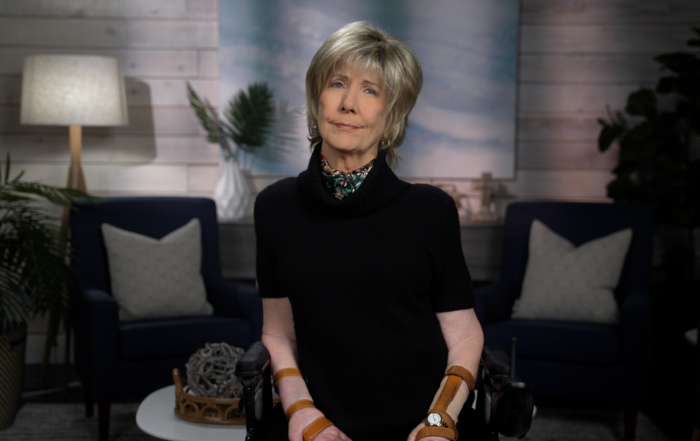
<point>365,289</point>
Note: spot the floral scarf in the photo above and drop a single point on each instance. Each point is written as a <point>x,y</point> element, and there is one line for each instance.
<point>340,184</point>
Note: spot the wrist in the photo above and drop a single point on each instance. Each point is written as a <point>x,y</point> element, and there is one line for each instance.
<point>291,390</point>
<point>307,416</point>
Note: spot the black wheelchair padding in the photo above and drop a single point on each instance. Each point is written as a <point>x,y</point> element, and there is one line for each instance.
<point>254,361</point>
<point>506,401</point>
<point>495,360</point>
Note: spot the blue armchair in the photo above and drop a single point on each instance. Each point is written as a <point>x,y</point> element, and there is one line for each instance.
<point>116,360</point>
<point>586,361</point>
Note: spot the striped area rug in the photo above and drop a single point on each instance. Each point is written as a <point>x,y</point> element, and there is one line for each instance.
<point>67,422</point>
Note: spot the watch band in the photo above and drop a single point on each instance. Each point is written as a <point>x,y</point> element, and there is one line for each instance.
<point>287,372</point>
<point>297,406</point>
<point>464,374</point>
<point>450,432</point>
<point>315,428</point>
<point>446,418</point>
<point>436,431</point>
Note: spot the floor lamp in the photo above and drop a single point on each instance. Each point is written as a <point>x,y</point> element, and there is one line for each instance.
<point>73,91</point>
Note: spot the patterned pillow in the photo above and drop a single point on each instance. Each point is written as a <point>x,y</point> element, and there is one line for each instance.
<point>157,278</point>
<point>563,282</point>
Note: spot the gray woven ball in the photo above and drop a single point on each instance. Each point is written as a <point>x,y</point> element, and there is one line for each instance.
<point>211,371</point>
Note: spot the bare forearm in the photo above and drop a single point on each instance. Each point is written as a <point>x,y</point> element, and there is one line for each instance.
<point>465,353</point>
<point>465,341</point>
<point>283,355</point>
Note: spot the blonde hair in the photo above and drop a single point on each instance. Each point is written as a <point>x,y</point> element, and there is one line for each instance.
<point>367,47</point>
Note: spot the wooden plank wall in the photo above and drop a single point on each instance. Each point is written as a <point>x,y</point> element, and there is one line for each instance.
<point>575,57</point>
<point>161,45</point>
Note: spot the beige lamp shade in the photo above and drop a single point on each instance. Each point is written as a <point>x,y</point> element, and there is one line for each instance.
<point>73,90</point>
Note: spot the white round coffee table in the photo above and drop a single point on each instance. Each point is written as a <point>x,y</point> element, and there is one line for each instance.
<point>156,417</point>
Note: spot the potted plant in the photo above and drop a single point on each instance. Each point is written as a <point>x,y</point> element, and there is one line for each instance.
<point>656,164</point>
<point>34,275</point>
<point>251,123</point>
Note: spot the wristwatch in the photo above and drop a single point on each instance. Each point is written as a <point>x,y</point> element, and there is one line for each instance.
<point>436,420</point>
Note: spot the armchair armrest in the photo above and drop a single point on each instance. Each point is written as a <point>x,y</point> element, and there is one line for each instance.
<point>494,303</point>
<point>634,327</point>
<point>96,321</point>
<point>237,300</point>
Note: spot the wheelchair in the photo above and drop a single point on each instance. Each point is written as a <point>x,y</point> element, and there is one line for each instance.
<point>505,402</point>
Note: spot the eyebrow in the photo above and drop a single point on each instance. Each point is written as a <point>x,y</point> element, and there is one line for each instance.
<point>345,77</point>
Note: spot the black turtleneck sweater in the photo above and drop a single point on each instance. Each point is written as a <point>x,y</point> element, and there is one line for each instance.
<point>365,276</point>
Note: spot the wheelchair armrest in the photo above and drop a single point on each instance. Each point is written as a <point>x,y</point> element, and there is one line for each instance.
<point>505,400</point>
<point>495,360</point>
<point>254,371</point>
<point>254,362</point>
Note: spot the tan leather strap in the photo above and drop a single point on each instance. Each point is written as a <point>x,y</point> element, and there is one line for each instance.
<point>436,431</point>
<point>315,428</point>
<point>448,392</point>
<point>288,372</point>
<point>297,406</point>
<point>464,374</point>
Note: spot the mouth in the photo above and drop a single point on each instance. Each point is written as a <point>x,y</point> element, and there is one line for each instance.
<point>343,126</point>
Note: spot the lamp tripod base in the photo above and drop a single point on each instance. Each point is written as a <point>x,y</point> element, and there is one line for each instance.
<point>76,180</point>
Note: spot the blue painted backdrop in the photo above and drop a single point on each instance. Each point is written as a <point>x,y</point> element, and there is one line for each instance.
<point>464,121</point>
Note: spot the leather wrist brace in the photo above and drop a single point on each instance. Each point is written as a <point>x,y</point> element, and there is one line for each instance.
<point>448,403</point>
<point>316,427</point>
<point>313,429</point>
<point>287,372</point>
<point>297,406</point>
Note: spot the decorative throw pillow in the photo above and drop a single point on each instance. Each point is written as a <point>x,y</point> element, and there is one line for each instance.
<point>154,278</point>
<point>563,282</point>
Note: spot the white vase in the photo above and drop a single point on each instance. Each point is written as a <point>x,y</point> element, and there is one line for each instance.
<point>231,194</point>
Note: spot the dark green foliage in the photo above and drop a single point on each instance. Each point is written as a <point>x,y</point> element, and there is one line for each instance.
<point>655,165</point>
<point>249,119</point>
<point>34,276</point>
<point>250,116</point>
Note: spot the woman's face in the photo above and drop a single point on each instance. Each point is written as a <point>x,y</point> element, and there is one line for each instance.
<point>352,112</point>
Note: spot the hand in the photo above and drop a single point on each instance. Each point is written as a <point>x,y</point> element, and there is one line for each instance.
<point>301,420</point>
<point>414,432</point>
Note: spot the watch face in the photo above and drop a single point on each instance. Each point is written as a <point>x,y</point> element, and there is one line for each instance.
<point>434,419</point>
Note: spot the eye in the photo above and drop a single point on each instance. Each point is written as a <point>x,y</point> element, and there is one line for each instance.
<point>371,91</point>
<point>336,85</point>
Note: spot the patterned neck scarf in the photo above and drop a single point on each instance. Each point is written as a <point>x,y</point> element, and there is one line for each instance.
<point>339,184</point>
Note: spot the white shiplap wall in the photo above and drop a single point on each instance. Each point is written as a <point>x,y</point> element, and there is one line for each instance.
<point>576,56</point>
<point>161,45</point>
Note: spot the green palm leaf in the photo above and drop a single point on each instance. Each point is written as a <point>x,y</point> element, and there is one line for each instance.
<point>250,116</point>
<point>34,275</point>
<point>250,122</point>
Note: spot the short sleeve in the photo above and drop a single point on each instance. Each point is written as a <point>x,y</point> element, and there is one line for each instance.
<point>265,256</point>
<point>451,287</point>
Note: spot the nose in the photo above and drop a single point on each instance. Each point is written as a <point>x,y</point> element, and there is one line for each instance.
<point>347,102</point>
